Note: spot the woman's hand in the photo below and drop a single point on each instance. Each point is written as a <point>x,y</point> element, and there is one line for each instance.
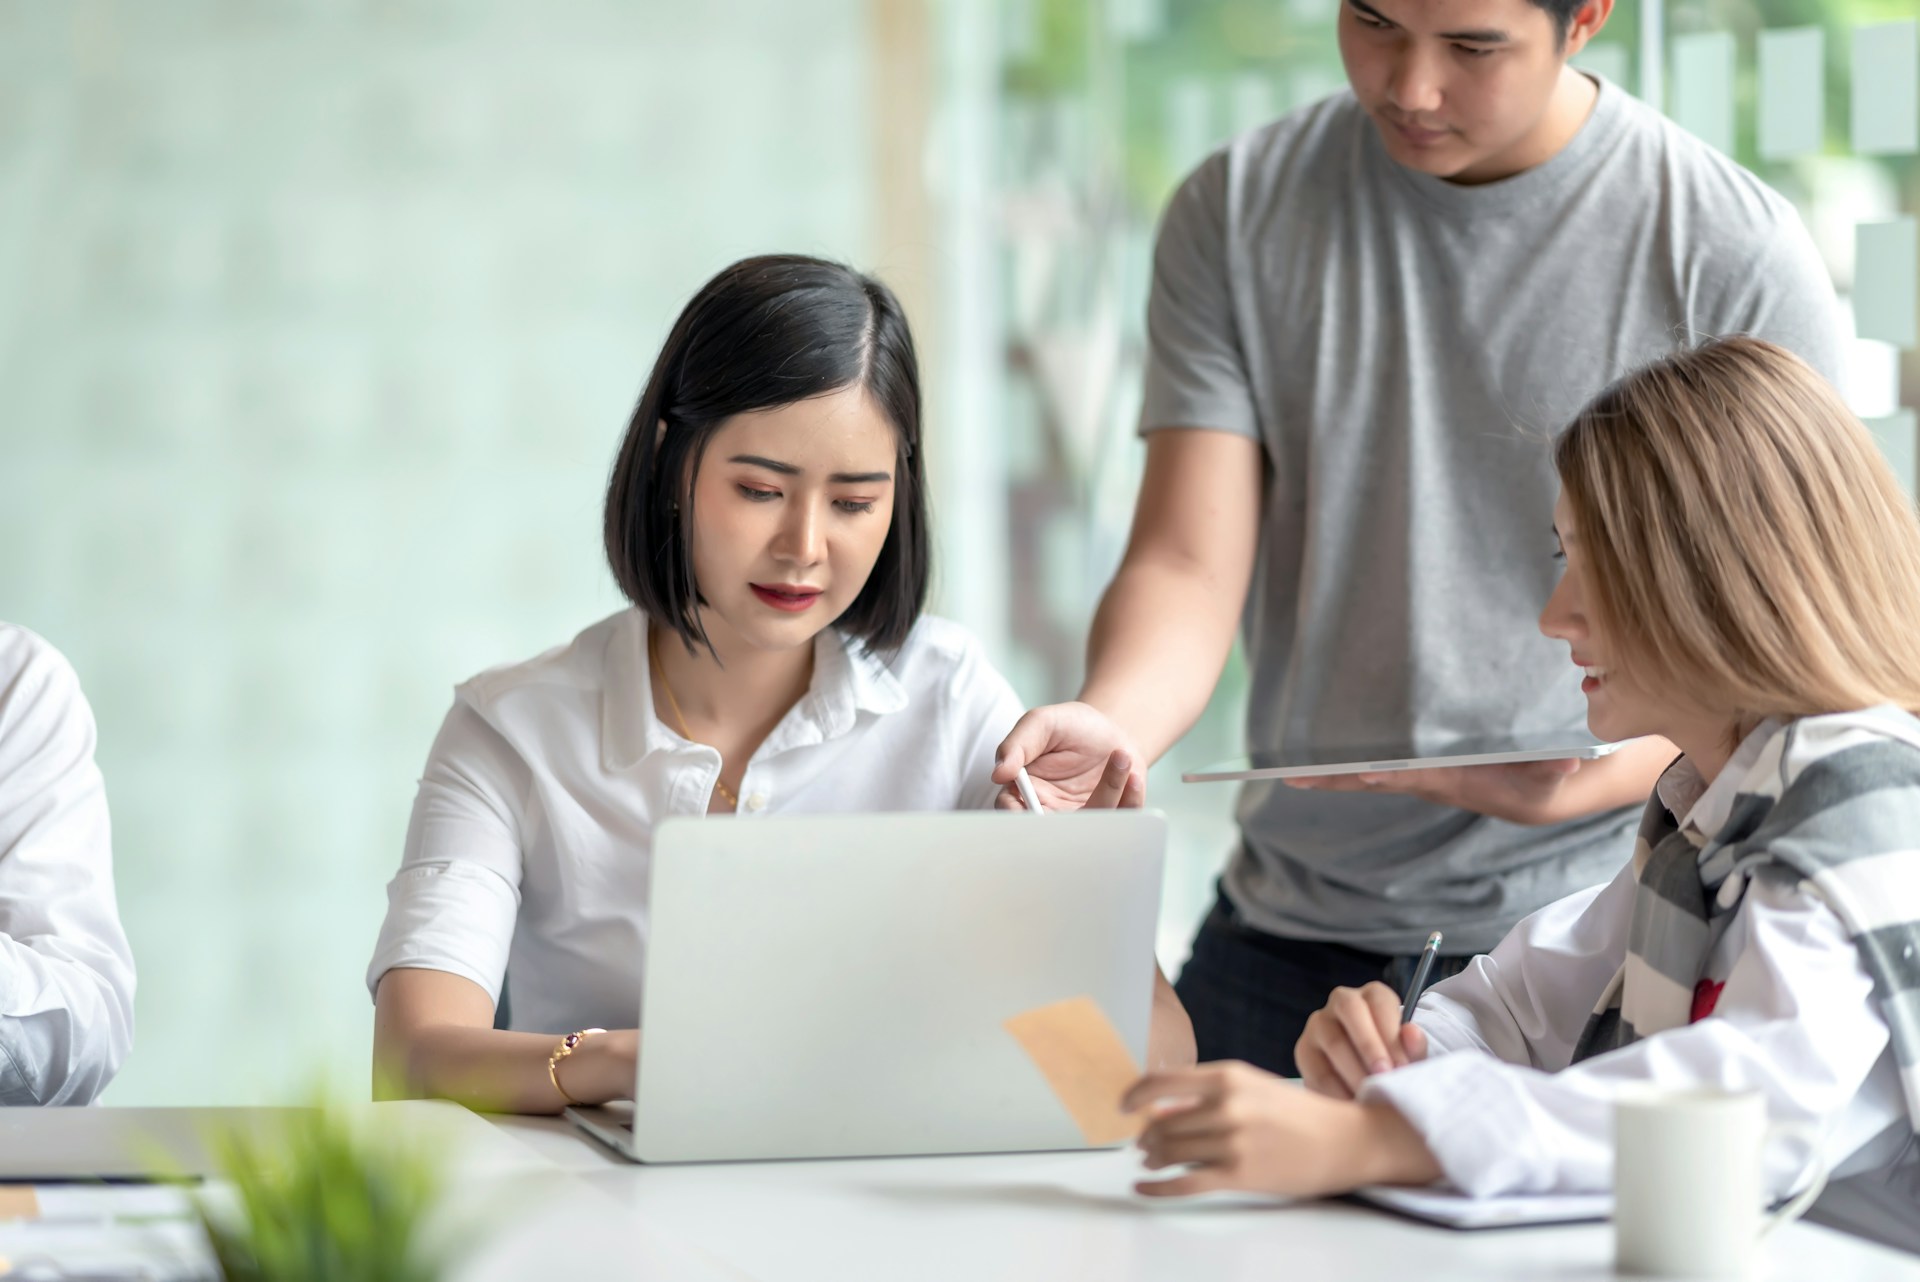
<point>433,1035</point>
<point>602,1067</point>
<point>1356,1034</point>
<point>1076,757</point>
<point>1237,1127</point>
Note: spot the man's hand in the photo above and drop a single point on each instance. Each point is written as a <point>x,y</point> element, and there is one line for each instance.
<point>1076,757</point>
<point>1528,792</point>
<point>1236,1127</point>
<point>1356,1034</point>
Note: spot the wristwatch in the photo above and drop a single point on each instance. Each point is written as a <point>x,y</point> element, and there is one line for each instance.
<point>568,1044</point>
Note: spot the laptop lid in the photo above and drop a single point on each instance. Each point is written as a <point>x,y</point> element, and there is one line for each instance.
<point>834,985</point>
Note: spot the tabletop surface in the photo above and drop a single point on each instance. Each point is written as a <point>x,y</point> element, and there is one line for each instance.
<point>1073,1215</point>
<point>535,1199</point>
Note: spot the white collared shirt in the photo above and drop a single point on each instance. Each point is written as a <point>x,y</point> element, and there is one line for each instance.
<point>66,973</point>
<point>1503,1112</point>
<point>526,859</point>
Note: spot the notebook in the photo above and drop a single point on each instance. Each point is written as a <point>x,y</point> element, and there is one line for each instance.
<point>1458,1211</point>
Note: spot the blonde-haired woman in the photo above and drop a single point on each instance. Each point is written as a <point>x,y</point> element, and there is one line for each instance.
<point>1743,578</point>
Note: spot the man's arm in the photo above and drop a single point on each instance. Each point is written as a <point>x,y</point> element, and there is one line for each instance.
<point>1163,629</point>
<point>1166,623</point>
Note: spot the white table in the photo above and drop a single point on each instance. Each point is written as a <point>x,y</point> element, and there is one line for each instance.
<point>1056,1217</point>
<point>545,1203</point>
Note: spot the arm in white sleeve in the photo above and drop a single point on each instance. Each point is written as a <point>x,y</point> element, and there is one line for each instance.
<point>453,904</point>
<point>1796,1022</point>
<point>1527,1000</point>
<point>66,972</point>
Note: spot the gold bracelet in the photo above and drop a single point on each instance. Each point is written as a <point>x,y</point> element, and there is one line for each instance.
<point>568,1044</point>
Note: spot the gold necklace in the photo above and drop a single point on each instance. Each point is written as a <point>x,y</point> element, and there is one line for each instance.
<point>653,655</point>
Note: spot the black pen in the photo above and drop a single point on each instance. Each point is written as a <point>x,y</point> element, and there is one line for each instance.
<point>1419,981</point>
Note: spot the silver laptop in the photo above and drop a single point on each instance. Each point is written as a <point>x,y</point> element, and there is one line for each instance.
<point>834,985</point>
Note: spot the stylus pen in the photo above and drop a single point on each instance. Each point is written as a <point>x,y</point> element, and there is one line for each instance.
<point>1027,794</point>
<point>1419,981</point>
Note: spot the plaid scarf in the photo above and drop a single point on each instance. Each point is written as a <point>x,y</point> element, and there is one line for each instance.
<point>1834,798</point>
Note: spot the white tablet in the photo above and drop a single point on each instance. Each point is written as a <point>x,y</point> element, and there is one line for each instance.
<point>1304,763</point>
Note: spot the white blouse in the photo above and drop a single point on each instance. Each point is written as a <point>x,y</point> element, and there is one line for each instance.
<point>1503,1112</point>
<point>526,860</point>
<point>66,973</point>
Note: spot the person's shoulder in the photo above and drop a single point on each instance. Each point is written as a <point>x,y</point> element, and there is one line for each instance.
<point>1320,128</point>
<point>579,664</point>
<point>25,651</point>
<point>41,703</point>
<point>1835,789</point>
<point>1717,201</point>
<point>1808,776</point>
<point>943,657</point>
<point>1290,156</point>
<point>935,645</point>
<point>1871,743</point>
<point>946,675</point>
<point>31,668</point>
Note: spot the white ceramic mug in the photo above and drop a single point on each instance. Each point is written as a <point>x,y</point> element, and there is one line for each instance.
<point>1689,1192</point>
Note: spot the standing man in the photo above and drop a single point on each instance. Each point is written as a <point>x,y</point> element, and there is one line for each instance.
<point>1366,319</point>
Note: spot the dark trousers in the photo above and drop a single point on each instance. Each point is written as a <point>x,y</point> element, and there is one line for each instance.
<point>1250,993</point>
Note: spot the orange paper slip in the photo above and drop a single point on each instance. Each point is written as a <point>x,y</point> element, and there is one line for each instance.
<point>19,1202</point>
<point>1083,1059</point>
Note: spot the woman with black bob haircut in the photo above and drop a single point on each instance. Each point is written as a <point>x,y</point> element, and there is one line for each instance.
<point>764,333</point>
<point>767,519</point>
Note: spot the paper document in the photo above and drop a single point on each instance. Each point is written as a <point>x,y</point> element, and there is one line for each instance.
<point>17,1202</point>
<point>1458,1211</point>
<point>1079,1052</point>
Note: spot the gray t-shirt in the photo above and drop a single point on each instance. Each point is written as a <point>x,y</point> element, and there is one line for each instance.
<point>1404,348</point>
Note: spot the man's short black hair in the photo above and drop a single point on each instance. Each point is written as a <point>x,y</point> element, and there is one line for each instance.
<point>767,332</point>
<point>1561,11</point>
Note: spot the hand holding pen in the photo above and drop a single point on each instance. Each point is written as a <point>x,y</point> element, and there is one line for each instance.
<point>1363,1031</point>
<point>1075,757</point>
<point>1117,786</point>
<point>1024,782</point>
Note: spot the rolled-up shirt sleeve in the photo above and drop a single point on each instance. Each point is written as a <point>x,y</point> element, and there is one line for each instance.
<point>66,971</point>
<point>453,904</point>
<point>1527,1001</point>
<point>1796,1022</point>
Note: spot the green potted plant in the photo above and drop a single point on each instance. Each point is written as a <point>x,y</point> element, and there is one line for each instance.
<point>323,1199</point>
